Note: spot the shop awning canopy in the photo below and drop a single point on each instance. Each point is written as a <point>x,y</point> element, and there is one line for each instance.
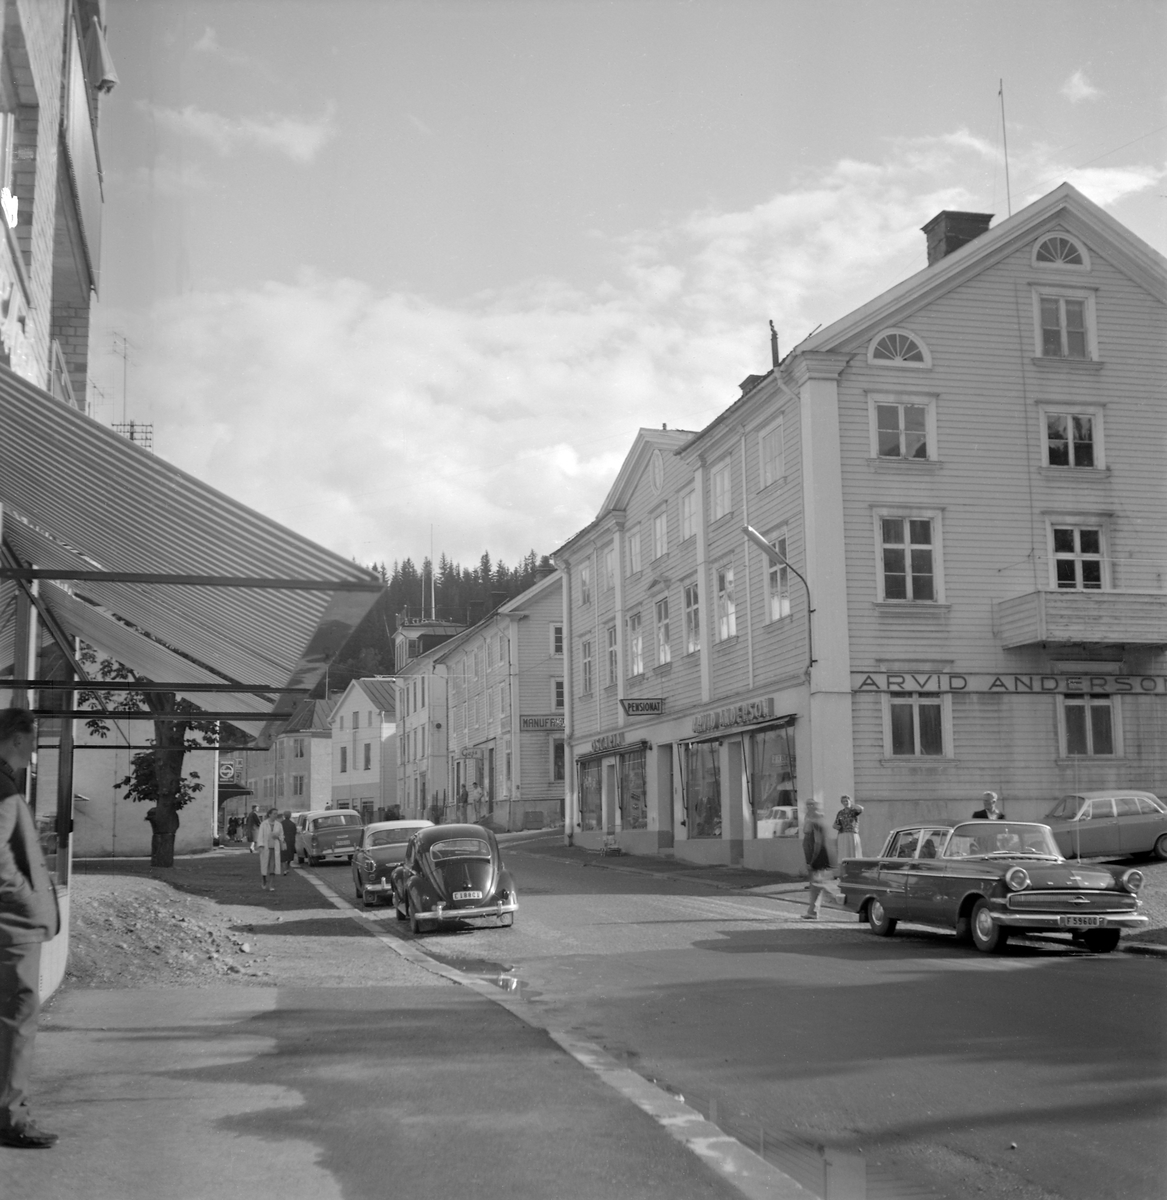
<point>152,567</point>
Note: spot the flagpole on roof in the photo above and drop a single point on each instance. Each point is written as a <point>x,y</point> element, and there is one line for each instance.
<point>1005,143</point>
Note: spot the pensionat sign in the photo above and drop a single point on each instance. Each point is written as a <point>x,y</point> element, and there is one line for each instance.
<point>1019,684</point>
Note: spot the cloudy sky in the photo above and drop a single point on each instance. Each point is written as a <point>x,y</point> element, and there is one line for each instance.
<point>383,265</point>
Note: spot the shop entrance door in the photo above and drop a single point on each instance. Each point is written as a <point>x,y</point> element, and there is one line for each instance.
<point>610,797</point>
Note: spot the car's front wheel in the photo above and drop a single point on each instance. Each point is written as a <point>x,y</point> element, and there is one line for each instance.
<point>881,924</point>
<point>987,935</point>
<point>1100,941</point>
<point>414,919</point>
<point>1160,848</point>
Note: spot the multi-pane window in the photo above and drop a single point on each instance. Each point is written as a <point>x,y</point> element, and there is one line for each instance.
<point>356,720</point>
<point>297,785</point>
<point>1089,725</point>
<point>613,656</point>
<point>721,500</point>
<point>557,694</point>
<point>688,515</point>
<point>633,541</point>
<point>664,649</point>
<point>489,654</point>
<point>343,760</point>
<point>586,665</point>
<point>660,534</point>
<point>770,454</point>
<point>692,619</point>
<point>558,761</point>
<point>1069,439</point>
<point>1063,327</point>
<point>778,582</point>
<point>726,604</point>
<point>917,725</point>
<point>609,568</point>
<point>1059,250</point>
<point>897,347</point>
<point>368,759</point>
<point>423,691</point>
<point>504,700</point>
<point>901,430</point>
<point>422,736</point>
<point>585,583</point>
<point>635,646</point>
<point>489,704</point>
<point>1077,557</point>
<point>556,639</point>
<point>908,560</point>
<point>297,747</point>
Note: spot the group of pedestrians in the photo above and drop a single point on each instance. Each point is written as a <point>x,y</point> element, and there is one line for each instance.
<point>273,837</point>
<point>816,839</point>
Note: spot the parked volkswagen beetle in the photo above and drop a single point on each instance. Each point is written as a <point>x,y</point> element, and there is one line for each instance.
<point>453,873</point>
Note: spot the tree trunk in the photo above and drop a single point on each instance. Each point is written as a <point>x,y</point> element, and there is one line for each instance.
<point>169,750</point>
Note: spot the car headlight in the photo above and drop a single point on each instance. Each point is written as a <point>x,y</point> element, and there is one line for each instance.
<point>1133,881</point>
<point>1016,878</point>
<point>370,866</point>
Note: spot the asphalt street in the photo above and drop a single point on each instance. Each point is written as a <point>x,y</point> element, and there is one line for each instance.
<point>896,1068</point>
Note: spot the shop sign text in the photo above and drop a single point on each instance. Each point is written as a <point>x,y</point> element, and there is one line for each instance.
<point>648,706</point>
<point>983,682</point>
<point>546,721</point>
<point>736,714</point>
<point>608,742</point>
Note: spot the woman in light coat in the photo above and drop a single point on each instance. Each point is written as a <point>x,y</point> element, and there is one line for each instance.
<point>270,840</point>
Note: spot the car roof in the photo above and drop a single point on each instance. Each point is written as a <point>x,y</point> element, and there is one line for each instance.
<point>420,823</point>
<point>438,833</point>
<point>1109,793</point>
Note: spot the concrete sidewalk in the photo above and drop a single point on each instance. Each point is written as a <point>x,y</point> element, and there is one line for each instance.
<point>410,1086</point>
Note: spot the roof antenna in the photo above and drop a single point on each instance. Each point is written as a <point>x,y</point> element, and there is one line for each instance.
<point>773,346</point>
<point>1005,143</point>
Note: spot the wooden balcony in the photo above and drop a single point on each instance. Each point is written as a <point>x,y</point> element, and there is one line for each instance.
<point>1099,618</point>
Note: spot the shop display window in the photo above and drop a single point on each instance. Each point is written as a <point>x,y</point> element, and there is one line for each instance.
<point>591,805</point>
<point>633,801</point>
<point>771,779</point>
<point>702,781</point>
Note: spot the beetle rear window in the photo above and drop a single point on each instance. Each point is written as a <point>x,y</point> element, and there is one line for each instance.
<point>460,848</point>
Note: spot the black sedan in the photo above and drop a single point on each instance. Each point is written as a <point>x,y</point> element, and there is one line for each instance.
<point>382,848</point>
<point>453,873</point>
<point>987,879</point>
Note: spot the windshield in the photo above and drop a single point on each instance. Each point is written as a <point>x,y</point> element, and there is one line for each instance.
<point>390,837</point>
<point>335,819</point>
<point>460,848</point>
<point>1000,839</point>
<point>1066,808</point>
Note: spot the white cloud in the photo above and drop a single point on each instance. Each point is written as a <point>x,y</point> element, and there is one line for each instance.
<point>300,140</point>
<point>1078,88</point>
<point>360,416</point>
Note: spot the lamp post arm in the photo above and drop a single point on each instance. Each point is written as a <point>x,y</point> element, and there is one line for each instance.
<point>779,560</point>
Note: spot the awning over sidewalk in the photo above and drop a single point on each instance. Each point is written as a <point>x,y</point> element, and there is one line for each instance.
<point>176,580</point>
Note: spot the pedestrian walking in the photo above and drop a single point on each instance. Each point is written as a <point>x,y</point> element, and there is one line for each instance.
<point>232,828</point>
<point>476,795</point>
<point>815,841</point>
<point>847,825</point>
<point>29,916</point>
<point>289,827</point>
<point>989,811</point>
<point>252,823</point>
<point>271,844</point>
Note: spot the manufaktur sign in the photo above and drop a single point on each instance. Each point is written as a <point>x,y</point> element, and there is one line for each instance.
<point>541,721</point>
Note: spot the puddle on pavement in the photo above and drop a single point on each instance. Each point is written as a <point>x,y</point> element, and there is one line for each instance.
<point>505,977</point>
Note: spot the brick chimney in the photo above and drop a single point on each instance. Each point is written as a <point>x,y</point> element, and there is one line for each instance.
<point>948,231</point>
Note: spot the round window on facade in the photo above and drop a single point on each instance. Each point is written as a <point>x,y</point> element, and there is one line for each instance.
<point>1060,251</point>
<point>897,347</point>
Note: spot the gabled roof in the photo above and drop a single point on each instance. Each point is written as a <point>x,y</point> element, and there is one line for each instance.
<point>1123,249</point>
<point>668,441</point>
<point>310,715</point>
<point>380,689</point>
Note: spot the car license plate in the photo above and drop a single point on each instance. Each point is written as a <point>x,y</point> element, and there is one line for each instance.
<point>1075,922</point>
<point>343,842</point>
<point>467,895</point>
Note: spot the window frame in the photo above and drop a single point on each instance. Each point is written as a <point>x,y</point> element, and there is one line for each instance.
<point>926,401</point>
<point>585,582</point>
<point>586,677</point>
<point>910,513</point>
<point>660,534</point>
<point>555,634</point>
<point>725,590</point>
<point>633,557</point>
<point>558,697</point>
<point>946,735</point>
<point>367,757</point>
<point>721,490</point>
<point>899,362</point>
<point>613,656</point>
<point>778,577</point>
<point>774,427</point>
<point>1084,266</point>
<point>688,501</point>
<point>1078,522</point>
<point>1090,701</point>
<point>343,760</point>
<point>1095,412</point>
<point>662,626</point>
<point>635,662</point>
<point>609,566</point>
<point>691,592</point>
<point>1053,291</point>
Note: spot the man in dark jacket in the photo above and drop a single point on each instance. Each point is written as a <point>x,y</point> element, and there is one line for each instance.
<point>28,917</point>
<point>252,824</point>
<point>989,811</point>
<point>289,840</point>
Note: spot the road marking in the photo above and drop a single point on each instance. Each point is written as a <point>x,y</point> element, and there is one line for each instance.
<point>738,1165</point>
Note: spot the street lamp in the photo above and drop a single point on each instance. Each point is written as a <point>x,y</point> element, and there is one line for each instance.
<point>754,536</point>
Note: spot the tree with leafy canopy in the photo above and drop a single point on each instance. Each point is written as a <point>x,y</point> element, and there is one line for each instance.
<point>155,775</point>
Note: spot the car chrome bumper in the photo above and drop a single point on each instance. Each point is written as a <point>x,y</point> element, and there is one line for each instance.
<point>376,889</point>
<point>1051,920</point>
<point>442,913</point>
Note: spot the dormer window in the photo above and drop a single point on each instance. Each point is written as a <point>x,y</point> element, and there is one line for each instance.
<point>1059,251</point>
<point>897,347</point>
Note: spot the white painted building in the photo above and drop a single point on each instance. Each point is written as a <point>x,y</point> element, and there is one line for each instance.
<point>363,748</point>
<point>966,472</point>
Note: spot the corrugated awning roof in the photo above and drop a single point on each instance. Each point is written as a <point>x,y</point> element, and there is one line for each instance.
<point>79,498</point>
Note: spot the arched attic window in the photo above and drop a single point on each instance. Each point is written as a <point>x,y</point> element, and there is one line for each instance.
<point>897,347</point>
<point>1057,250</point>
